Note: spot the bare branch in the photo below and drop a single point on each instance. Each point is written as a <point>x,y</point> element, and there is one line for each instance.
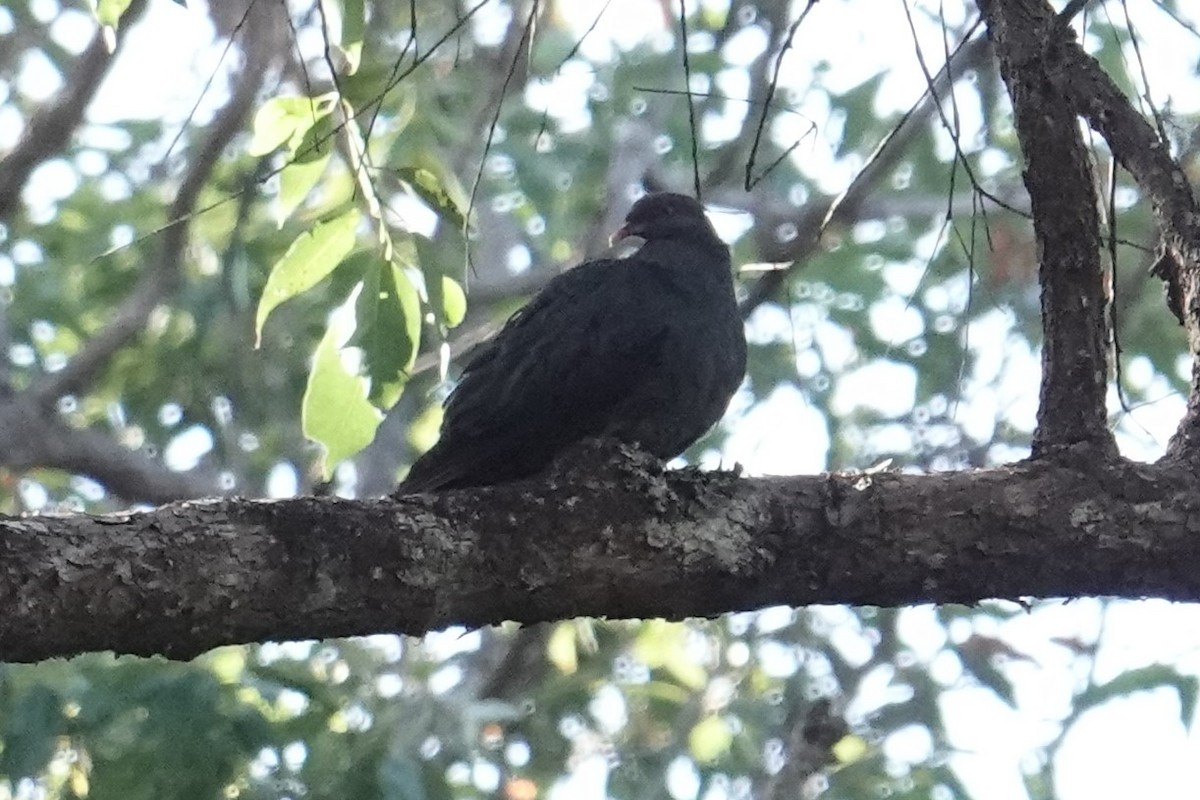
<point>35,437</point>
<point>49,130</point>
<point>632,542</point>
<point>1062,192</point>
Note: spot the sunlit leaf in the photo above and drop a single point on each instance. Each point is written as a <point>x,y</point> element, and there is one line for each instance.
<point>312,256</point>
<point>299,177</point>
<point>654,642</point>
<point>710,739</point>
<point>850,748</point>
<point>227,663</point>
<point>108,12</point>
<point>661,645</point>
<point>388,316</point>
<point>353,26</point>
<point>561,649</point>
<point>283,120</point>
<point>454,302</point>
<point>664,692</point>
<point>438,193</point>
<point>335,411</point>
<point>274,124</point>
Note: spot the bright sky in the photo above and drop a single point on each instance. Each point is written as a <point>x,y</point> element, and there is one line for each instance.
<point>1136,747</point>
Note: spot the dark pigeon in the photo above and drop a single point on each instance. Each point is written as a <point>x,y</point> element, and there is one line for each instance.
<point>646,350</point>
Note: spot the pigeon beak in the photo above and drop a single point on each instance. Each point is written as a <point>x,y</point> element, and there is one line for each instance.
<point>619,234</point>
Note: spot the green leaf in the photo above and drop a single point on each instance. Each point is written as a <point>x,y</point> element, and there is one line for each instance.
<point>295,182</point>
<point>388,316</point>
<point>312,256</point>
<point>661,645</point>
<point>108,12</point>
<point>710,739</point>
<point>561,650</point>
<point>287,119</point>
<point>454,302</point>
<point>335,412</point>
<point>442,263</point>
<point>298,178</point>
<point>441,195</point>
<point>354,24</point>
<point>1141,680</point>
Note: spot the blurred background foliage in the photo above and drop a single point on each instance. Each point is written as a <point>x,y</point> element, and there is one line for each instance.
<point>903,332</point>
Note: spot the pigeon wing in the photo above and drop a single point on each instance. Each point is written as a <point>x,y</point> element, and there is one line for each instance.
<point>552,376</point>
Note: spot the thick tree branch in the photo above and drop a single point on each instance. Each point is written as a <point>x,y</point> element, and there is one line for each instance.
<point>633,543</point>
<point>49,130</point>
<point>1066,223</point>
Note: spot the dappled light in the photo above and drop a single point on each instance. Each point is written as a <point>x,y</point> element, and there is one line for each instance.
<point>248,249</point>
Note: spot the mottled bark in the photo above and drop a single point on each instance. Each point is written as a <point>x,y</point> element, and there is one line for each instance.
<point>186,577</point>
<point>1066,224</point>
<point>1052,80</point>
<point>636,542</point>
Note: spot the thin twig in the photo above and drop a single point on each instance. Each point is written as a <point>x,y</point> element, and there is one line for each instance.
<point>691,104</point>
<point>317,143</point>
<point>879,165</point>
<point>751,181</point>
<point>526,37</point>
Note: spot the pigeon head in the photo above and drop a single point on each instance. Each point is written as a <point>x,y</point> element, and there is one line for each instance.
<point>665,216</point>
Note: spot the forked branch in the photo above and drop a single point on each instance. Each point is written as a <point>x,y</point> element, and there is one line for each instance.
<point>1137,146</point>
<point>1083,88</point>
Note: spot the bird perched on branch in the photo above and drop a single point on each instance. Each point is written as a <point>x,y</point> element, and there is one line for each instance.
<point>646,350</point>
